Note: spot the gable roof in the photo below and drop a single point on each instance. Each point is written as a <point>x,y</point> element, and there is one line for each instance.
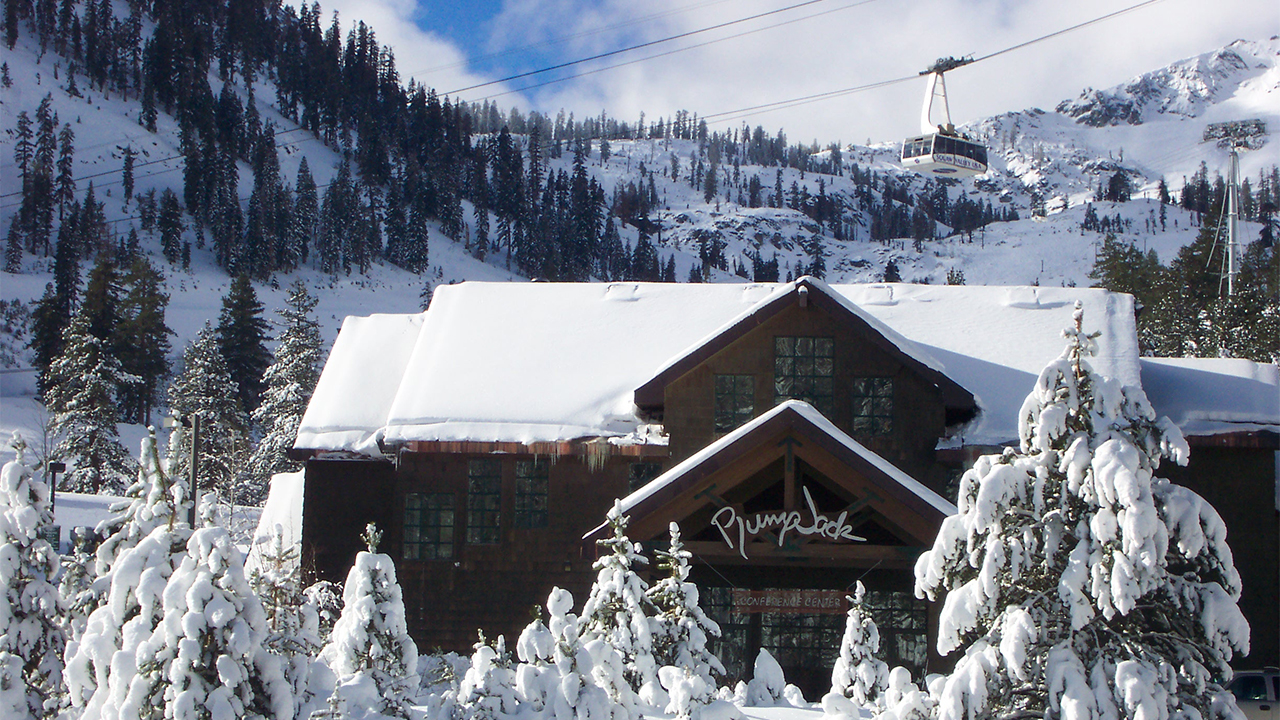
<point>550,362</point>
<point>804,291</point>
<point>802,418</point>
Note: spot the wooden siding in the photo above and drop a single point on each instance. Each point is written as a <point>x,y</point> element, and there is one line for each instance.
<point>918,413</point>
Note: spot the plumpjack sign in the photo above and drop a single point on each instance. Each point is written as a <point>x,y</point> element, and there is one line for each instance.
<point>738,529</point>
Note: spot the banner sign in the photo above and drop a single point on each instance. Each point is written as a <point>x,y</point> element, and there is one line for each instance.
<point>795,602</point>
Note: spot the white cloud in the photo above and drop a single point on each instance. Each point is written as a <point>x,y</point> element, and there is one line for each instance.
<point>859,45</point>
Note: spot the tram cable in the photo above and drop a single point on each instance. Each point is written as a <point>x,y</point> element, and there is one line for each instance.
<point>675,51</point>
<point>637,46</point>
<point>574,36</point>
<point>740,113</point>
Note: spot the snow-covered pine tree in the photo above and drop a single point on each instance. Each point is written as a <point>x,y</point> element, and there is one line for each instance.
<point>81,398</point>
<point>1081,585</point>
<point>206,657</point>
<point>370,642</point>
<point>31,637</point>
<point>102,663</point>
<point>680,628</point>
<point>154,500</point>
<point>290,380</point>
<point>205,388</point>
<point>859,675</point>
<point>617,610</point>
<point>535,649</point>
<point>293,625</point>
<point>488,691</point>
<point>575,695</point>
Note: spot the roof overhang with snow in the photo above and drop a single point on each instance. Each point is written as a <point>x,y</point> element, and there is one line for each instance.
<point>1216,397</point>
<point>794,429</point>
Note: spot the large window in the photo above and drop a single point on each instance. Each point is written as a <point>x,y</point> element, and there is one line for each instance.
<point>735,401</point>
<point>428,526</point>
<point>531,493</point>
<point>484,501</point>
<point>872,406</point>
<point>802,370</point>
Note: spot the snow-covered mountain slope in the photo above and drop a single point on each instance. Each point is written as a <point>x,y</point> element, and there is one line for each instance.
<point>1150,128</point>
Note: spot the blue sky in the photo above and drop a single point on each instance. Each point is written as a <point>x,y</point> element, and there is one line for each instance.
<point>829,45</point>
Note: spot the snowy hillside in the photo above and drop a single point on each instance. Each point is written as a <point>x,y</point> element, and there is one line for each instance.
<point>1149,128</point>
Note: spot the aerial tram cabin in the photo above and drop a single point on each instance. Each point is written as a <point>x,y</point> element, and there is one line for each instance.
<point>940,150</point>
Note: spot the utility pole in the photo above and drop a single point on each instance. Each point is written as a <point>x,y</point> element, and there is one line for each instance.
<point>1233,220</point>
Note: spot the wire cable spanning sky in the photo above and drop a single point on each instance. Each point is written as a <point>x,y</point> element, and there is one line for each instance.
<point>480,44</point>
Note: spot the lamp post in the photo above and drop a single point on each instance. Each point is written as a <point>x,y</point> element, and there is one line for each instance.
<point>54,468</point>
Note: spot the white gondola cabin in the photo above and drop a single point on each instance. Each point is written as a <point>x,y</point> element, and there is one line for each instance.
<point>940,150</point>
<point>944,155</point>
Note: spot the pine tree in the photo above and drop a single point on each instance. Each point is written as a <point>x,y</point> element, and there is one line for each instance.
<point>371,637</point>
<point>31,638</point>
<point>208,652</point>
<point>680,627</point>
<point>65,190</point>
<point>617,610</point>
<point>859,675</point>
<point>242,336</point>
<point>102,663</point>
<point>144,338</point>
<point>1075,577</point>
<point>302,221</point>
<point>293,623</point>
<point>205,388</point>
<point>169,223</point>
<point>127,173</point>
<point>290,380</point>
<point>81,397</point>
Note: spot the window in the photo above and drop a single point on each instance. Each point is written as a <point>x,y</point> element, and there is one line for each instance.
<point>428,526</point>
<point>531,493</point>
<point>641,474</point>
<point>803,369</point>
<point>484,501</point>
<point>735,401</point>
<point>872,406</point>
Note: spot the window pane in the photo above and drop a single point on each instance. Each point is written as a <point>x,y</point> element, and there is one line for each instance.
<point>428,533</point>
<point>641,474</point>
<point>734,401</point>
<point>872,403</point>
<point>484,501</point>
<point>805,374</point>
<point>531,493</point>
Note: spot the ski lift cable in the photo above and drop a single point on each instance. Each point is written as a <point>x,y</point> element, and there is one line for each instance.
<point>637,46</point>
<point>573,36</point>
<point>675,51</point>
<point>731,115</point>
<point>153,161</point>
<point>154,173</point>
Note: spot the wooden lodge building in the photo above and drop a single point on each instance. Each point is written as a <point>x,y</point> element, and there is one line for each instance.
<point>804,437</point>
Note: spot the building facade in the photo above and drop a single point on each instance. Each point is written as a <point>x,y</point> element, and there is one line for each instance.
<point>803,436</point>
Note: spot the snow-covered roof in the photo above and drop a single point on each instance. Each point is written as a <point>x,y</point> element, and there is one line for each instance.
<point>360,379</point>
<point>1211,396</point>
<point>548,362</point>
<point>809,413</point>
<point>995,340</point>
<point>544,362</point>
